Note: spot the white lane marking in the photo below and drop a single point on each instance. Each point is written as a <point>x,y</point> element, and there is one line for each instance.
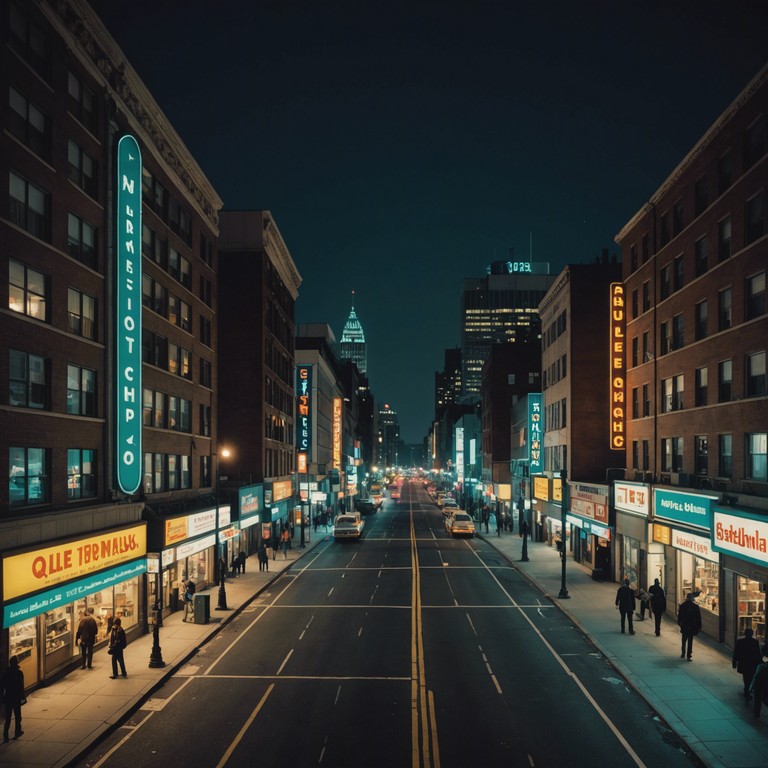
<point>338,693</point>
<point>331,592</point>
<point>285,661</point>
<point>359,631</point>
<point>496,683</point>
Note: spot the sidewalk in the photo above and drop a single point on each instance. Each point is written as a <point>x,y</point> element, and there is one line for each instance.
<point>702,702</point>
<point>64,719</point>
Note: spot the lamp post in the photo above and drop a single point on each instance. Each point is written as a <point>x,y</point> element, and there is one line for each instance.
<point>156,656</point>
<point>222,563</point>
<point>563,510</point>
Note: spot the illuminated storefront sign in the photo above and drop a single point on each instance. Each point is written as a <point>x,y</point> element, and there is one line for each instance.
<point>617,357</point>
<point>535,432</point>
<point>44,568</point>
<point>688,508</point>
<point>251,500</point>
<point>460,454</point>
<point>128,286</point>
<point>304,407</point>
<point>541,488</point>
<point>301,463</point>
<point>337,432</point>
<point>632,498</point>
<point>696,545</point>
<point>180,528</point>
<point>745,536</point>
<point>281,490</point>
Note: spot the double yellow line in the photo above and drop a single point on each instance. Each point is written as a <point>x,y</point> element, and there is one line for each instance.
<point>425,752</point>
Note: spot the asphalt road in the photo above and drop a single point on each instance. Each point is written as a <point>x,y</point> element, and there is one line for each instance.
<point>407,648</point>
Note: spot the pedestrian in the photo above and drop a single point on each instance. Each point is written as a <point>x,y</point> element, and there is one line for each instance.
<point>524,528</point>
<point>758,687</point>
<point>689,621</point>
<point>189,595</point>
<point>241,558</point>
<point>13,697</point>
<point>85,636</point>
<point>625,600</point>
<point>285,538</point>
<point>658,603</point>
<point>746,657</point>
<point>645,604</point>
<point>117,643</point>
<point>235,565</point>
<point>486,516</point>
<point>263,557</point>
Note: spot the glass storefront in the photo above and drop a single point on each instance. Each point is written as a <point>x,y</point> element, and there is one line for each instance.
<point>22,638</point>
<point>630,561</point>
<point>700,577</point>
<point>751,602</point>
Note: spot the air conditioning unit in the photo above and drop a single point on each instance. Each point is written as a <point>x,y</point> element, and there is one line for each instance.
<point>680,478</point>
<point>665,479</point>
<point>704,483</point>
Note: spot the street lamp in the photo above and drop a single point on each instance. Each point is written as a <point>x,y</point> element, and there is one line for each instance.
<point>222,563</point>
<point>563,510</point>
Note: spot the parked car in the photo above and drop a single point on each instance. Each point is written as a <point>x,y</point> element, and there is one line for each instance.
<point>449,506</point>
<point>459,524</point>
<point>348,525</point>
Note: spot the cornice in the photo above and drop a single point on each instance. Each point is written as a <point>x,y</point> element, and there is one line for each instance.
<point>281,257</point>
<point>555,290</point>
<point>91,42</point>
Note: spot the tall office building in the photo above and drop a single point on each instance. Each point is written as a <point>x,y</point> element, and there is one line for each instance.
<point>499,308</point>
<point>448,381</point>
<point>353,341</point>
<point>387,452</point>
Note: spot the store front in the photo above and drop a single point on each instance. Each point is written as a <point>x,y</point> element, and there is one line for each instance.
<point>47,590</point>
<point>741,537</point>
<point>592,545</point>
<point>637,558</point>
<point>251,512</point>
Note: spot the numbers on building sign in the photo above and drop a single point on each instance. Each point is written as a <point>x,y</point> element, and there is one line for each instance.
<point>519,266</point>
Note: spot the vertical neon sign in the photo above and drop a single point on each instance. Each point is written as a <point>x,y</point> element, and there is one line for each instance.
<point>617,357</point>
<point>535,432</point>
<point>337,432</point>
<point>128,316</point>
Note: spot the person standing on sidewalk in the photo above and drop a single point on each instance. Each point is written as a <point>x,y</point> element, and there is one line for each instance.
<point>87,630</point>
<point>746,657</point>
<point>689,621</point>
<point>625,600</point>
<point>758,687</point>
<point>117,643</point>
<point>285,540</point>
<point>13,697</point>
<point>486,517</point>
<point>658,603</point>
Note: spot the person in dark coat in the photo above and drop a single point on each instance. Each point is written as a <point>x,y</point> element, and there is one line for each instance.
<point>658,603</point>
<point>117,643</point>
<point>263,557</point>
<point>87,630</point>
<point>689,621</point>
<point>625,600</point>
<point>13,694</point>
<point>242,558</point>
<point>759,685</point>
<point>746,657</point>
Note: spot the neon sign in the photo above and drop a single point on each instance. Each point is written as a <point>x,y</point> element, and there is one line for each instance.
<point>535,432</point>
<point>304,407</point>
<point>617,358</point>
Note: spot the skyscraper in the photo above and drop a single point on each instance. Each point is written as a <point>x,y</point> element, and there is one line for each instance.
<point>353,341</point>
<point>499,308</point>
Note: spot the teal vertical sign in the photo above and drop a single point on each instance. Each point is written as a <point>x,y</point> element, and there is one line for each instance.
<point>535,433</point>
<point>128,316</point>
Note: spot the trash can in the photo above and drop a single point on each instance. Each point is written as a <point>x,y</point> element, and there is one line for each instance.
<point>202,609</point>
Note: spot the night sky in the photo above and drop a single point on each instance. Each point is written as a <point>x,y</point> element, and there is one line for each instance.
<point>404,146</point>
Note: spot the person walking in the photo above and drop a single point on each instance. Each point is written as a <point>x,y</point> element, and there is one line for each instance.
<point>658,603</point>
<point>85,636</point>
<point>285,540</point>
<point>486,516</point>
<point>189,595</point>
<point>746,657</point>
<point>645,604</point>
<point>758,687</point>
<point>625,600</point>
<point>117,643</point>
<point>13,697</point>
<point>263,557</point>
<point>241,558</point>
<point>689,621</point>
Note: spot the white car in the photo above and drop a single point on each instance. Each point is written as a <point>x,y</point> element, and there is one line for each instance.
<point>348,526</point>
<point>449,506</point>
<point>460,524</point>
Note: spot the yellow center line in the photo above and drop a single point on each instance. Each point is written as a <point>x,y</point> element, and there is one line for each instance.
<point>225,757</point>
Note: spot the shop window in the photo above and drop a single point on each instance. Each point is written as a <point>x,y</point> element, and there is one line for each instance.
<point>751,613</point>
<point>58,631</point>
<point>757,456</point>
<point>700,578</point>
<point>725,456</point>
<point>630,558</point>
<point>22,642</point>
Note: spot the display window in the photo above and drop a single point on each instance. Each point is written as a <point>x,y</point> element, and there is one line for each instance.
<point>59,630</point>
<point>22,639</point>
<point>700,577</point>
<point>197,567</point>
<point>630,554</point>
<point>751,607</point>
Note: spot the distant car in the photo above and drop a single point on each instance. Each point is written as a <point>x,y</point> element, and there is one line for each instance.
<point>366,506</point>
<point>348,526</point>
<point>459,524</point>
<point>449,506</point>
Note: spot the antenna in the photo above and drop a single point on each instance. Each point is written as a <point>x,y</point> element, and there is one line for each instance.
<point>353,298</point>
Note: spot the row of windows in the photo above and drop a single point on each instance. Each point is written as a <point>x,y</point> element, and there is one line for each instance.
<point>29,481</point>
<point>277,396</point>
<point>554,331</point>
<point>166,411</point>
<point>558,370</point>
<point>673,448</point>
<point>556,415</point>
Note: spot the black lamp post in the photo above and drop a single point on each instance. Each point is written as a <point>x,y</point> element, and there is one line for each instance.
<point>156,656</point>
<point>222,603</point>
<point>563,510</point>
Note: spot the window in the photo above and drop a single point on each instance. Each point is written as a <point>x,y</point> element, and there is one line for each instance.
<point>646,296</point>
<point>81,241</point>
<point>29,124</point>
<point>702,454</point>
<point>82,103</point>
<point>27,380</point>
<point>702,316</point>
<point>206,293</point>
<point>205,471</point>
<point>205,420</point>
<point>179,414</point>
<point>205,330</point>
<point>666,281</point>
<point>647,356</point>
<point>701,249</point>
<point>672,393</point>
<point>82,169</point>
<point>646,400</point>
<point>81,391</point>
<point>677,218</point>
<point>754,142</point>
<point>81,473</point>
<point>724,171</point>
<point>672,454</point>
<point>678,331</point>
<point>757,456</point>
<point>179,268</point>
<point>153,409</point>
<point>206,373</point>
<point>635,350</point>
<point>725,456</point>
<point>664,228</point>
<point>82,314</point>
<point>155,195</point>
<point>28,40</point>
<point>154,295</point>
<point>165,472</point>
<point>154,349</point>
<point>180,221</point>
<point>635,403</point>
<point>635,304</point>
<point>756,381</point>
<point>646,454</point>
<point>635,455</point>
<point>755,218</point>
<point>30,207</point>
<point>178,361</point>
<point>724,309</point>
<point>665,337</point>
<point>755,305</point>
<point>679,273</point>
<point>701,383</point>
<point>27,291</point>
<point>206,250</point>
<point>724,381</point>
<point>27,476</point>
<point>179,312</point>
<point>154,247</point>
<point>724,239</point>
<point>700,196</point>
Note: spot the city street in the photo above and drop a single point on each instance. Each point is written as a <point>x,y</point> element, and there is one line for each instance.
<point>406,648</point>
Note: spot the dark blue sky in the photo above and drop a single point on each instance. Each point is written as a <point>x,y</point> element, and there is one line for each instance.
<point>404,146</point>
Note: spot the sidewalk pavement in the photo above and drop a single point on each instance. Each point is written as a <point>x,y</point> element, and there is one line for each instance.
<point>63,720</point>
<point>702,702</point>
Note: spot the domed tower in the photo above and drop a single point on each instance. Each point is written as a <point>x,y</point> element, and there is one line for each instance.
<point>353,341</point>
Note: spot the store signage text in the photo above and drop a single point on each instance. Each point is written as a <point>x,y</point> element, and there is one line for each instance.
<point>250,500</point>
<point>304,407</point>
<point>337,432</point>
<point>535,432</point>
<point>617,360</point>
<point>683,507</point>
<point>128,306</point>
<point>281,490</point>
<point>631,498</point>
<point>745,537</point>
<point>541,488</point>
<point>696,545</point>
